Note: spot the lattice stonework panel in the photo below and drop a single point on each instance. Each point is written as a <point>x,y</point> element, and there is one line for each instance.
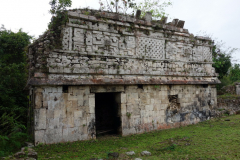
<point>150,48</point>
<point>198,53</point>
<point>207,54</point>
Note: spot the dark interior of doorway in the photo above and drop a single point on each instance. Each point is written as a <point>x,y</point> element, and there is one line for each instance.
<point>107,113</point>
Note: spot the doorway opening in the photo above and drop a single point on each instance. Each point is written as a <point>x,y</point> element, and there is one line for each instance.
<point>108,113</point>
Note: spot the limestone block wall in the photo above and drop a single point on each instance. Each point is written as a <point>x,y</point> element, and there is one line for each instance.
<point>62,114</point>
<point>108,48</point>
<point>63,117</point>
<point>165,106</point>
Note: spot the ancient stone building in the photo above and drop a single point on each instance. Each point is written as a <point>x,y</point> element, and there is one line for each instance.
<point>97,73</point>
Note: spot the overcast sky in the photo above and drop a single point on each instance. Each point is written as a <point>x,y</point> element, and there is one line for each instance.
<point>220,18</point>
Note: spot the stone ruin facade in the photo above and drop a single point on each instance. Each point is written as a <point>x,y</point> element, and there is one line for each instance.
<point>107,73</point>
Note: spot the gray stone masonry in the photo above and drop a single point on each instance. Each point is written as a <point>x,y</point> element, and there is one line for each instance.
<point>71,116</point>
<point>163,74</point>
<point>120,49</point>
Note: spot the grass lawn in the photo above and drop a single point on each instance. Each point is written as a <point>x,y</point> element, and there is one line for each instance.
<point>213,139</point>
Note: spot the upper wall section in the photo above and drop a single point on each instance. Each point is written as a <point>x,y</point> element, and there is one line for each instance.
<point>109,48</point>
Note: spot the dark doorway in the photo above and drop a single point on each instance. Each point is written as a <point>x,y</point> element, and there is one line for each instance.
<point>107,113</point>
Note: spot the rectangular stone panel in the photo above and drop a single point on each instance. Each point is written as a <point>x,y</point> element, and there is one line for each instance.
<point>40,118</point>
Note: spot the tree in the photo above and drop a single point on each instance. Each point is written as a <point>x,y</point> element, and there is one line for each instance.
<point>234,74</point>
<point>222,61</point>
<point>12,46</point>
<point>156,7</point>
<point>59,17</point>
<point>222,58</point>
<point>58,6</point>
<point>119,6</point>
<point>13,78</point>
<point>13,73</point>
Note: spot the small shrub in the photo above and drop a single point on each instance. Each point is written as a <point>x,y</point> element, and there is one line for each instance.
<point>12,134</point>
<point>225,81</point>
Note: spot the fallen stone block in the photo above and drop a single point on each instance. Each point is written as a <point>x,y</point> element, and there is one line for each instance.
<point>130,153</point>
<point>146,153</point>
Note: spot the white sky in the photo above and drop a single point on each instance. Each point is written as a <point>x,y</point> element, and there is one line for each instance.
<point>220,18</point>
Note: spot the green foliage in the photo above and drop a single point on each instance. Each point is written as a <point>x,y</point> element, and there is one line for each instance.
<point>225,81</point>
<point>59,17</point>
<point>12,46</point>
<point>12,134</point>
<point>222,58</point>
<point>58,6</point>
<point>13,99</point>
<point>234,74</point>
<point>172,147</point>
<point>13,73</point>
<point>118,6</point>
<point>156,7</point>
<point>222,61</point>
<point>128,114</point>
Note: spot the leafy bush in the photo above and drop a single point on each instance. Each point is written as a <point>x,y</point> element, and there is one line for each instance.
<point>222,57</point>
<point>234,74</point>
<point>225,81</point>
<point>12,134</point>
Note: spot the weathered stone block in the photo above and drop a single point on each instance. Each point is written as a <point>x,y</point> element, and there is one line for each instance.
<point>115,88</point>
<point>92,104</point>
<point>149,107</point>
<point>97,89</point>
<point>38,89</point>
<point>45,100</point>
<point>55,101</point>
<point>65,134</point>
<point>77,122</point>
<point>129,108</point>
<point>53,135</point>
<point>38,100</point>
<point>131,97</point>
<point>123,98</point>
<point>40,118</point>
<point>52,123</point>
<point>74,104</point>
<point>73,134</point>
<point>39,136</point>
<point>77,114</point>
<point>57,89</point>
<point>70,121</point>
<point>80,100</point>
<point>72,97</point>
<point>145,98</point>
<point>58,113</point>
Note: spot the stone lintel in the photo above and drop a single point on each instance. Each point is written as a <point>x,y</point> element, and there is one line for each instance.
<point>108,81</point>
